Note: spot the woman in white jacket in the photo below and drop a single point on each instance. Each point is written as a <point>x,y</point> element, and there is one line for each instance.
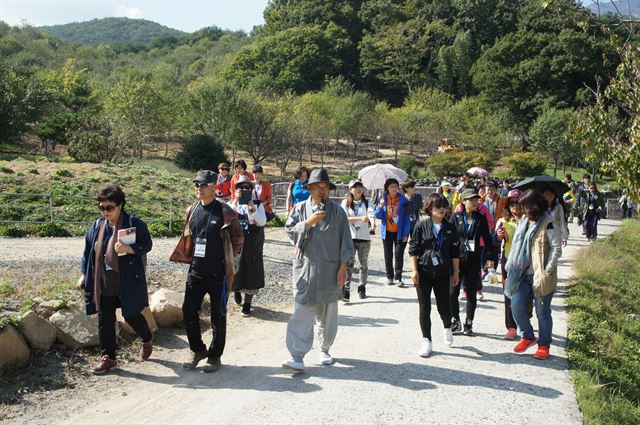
<point>556,212</point>
<point>361,223</point>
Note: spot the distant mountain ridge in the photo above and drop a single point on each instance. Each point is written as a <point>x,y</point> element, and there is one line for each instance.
<point>112,30</point>
<point>623,6</point>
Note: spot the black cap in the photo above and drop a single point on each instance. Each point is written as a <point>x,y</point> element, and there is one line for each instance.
<point>320,175</point>
<point>206,176</point>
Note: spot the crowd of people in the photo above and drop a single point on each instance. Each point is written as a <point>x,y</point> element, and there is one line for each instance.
<point>456,237</point>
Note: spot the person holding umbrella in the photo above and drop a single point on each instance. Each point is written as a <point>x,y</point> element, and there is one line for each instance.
<point>471,226</point>
<point>394,230</point>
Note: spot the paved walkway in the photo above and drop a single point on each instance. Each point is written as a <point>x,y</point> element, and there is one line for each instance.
<point>377,378</point>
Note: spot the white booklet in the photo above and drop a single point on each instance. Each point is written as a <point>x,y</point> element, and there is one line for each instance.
<point>127,237</point>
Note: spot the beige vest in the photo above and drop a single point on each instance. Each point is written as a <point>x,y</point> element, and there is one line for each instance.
<point>542,285</point>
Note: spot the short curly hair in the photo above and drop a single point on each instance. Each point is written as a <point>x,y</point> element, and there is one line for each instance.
<point>112,193</point>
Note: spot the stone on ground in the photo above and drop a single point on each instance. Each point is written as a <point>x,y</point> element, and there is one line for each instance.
<point>39,332</point>
<point>14,351</point>
<point>46,308</point>
<point>166,306</point>
<point>75,329</point>
<point>146,312</point>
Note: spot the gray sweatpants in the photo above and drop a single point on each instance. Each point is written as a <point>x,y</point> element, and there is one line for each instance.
<point>300,328</point>
<point>362,249</point>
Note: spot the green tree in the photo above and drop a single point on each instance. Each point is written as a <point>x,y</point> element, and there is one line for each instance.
<point>201,152</point>
<point>93,139</point>
<point>354,116</point>
<point>549,136</point>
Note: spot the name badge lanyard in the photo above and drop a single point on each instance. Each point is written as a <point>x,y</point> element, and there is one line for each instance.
<point>467,226</point>
<point>439,235</point>
<point>201,244</point>
<point>206,225</point>
<point>108,232</point>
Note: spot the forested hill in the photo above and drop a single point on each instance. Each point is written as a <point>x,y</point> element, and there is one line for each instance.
<point>625,7</point>
<point>113,30</point>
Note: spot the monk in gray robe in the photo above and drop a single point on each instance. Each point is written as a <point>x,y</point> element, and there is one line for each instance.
<point>320,231</point>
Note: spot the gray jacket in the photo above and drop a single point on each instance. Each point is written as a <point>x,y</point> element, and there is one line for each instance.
<point>320,252</point>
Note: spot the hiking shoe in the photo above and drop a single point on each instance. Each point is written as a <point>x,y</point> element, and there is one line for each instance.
<point>390,282</point>
<point>542,353</point>
<point>195,358</point>
<point>448,337</point>
<point>511,333</point>
<point>325,358</point>
<point>523,345</point>
<point>103,365</point>
<point>425,348</point>
<point>293,364</point>
<point>212,365</point>
<point>400,283</point>
<point>146,350</point>
<point>480,295</point>
<point>237,297</point>
<point>468,330</point>
<point>362,292</point>
<point>346,294</point>
<point>455,325</point>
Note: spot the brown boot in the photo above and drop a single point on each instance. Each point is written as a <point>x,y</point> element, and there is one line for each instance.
<point>195,358</point>
<point>146,350</point>
<point>212,365</point>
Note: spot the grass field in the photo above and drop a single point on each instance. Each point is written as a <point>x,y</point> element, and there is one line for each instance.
<point>604,334</point>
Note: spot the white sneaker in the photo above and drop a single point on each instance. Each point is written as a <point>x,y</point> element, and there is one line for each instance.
<point>399,283</point>
<point>426,347</point>
<point>448,337</point>
<point>292,364</point>
<point>325,358</point>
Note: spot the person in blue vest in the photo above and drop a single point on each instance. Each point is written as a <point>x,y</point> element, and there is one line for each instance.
<point>113,275</point>
<point>394,230</point>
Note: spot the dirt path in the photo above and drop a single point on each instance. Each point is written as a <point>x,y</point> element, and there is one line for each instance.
<point>377,377</point>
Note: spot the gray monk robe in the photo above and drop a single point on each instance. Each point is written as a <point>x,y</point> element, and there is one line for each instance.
<point>321,251</point>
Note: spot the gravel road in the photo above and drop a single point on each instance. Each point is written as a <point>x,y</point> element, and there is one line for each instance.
<point>377,378</point>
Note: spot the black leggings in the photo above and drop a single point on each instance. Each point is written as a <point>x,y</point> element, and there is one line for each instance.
<point>440,285</point>
<point>470,277</point>
<point>107,325</point>
<point>391,244</point>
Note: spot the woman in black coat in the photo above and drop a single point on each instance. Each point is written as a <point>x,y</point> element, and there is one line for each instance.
<point>113,275</point>
<point>472,227</point>
<point>435,250</point>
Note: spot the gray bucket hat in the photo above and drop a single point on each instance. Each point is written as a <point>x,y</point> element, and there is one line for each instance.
<point>242,180</point>
<point>469,194</point>
<point>206,176</point>
<point>320,175</point>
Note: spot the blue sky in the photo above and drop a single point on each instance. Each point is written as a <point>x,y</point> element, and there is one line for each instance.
<point>185,15</point>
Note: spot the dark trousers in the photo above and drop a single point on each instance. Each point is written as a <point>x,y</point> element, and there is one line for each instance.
<point>393,249</point>
<point>591,224</point>
<point>440,284</point>
<point>107,325</point>
<point>194,294</point>
<point>470,277</point>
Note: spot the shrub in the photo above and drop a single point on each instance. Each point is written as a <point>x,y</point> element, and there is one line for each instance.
<point>34,171</point>
<point>6,170</point>
<point>54,230</point>
<point>408,164</point>
<point>201,152</point>
<point>455,163</point>
<point>63,172</point>
<point>162,229</point>
<point>526,164</point>
<point>12,231</point>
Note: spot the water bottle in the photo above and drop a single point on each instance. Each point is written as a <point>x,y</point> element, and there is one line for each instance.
<point>492,277</point>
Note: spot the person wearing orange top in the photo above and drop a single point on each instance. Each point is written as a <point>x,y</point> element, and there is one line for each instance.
<point>394,230</point>
<point>263,192</point>
<point>241,170</point>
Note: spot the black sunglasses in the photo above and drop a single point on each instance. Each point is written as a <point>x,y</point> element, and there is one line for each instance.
<point>202,184</point>
<point>108,208</point>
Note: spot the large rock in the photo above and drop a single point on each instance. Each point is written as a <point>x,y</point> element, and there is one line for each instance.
<point>39,332</point>
<point>46,308</point>
<point>146,312</point>
<point>166,306</point>
<point>14,351</point>
<point>75,329</point>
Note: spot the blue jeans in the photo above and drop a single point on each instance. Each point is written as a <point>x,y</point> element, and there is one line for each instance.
<point>519,301</point>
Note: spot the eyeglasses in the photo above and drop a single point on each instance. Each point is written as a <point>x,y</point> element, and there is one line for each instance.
<point>202,184</point>
<point>246,188</point>
<point>108,208</point>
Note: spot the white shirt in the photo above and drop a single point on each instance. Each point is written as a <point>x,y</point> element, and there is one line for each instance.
<point>359,230</point>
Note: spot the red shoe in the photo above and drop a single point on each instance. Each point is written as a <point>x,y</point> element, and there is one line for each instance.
<point>542,353</point>
<point>523,345</point>
<point>146,350</point>
<point>511,333</point>
<point>103,365</point>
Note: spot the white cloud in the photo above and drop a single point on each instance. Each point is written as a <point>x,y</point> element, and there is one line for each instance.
<point>129,12</point>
